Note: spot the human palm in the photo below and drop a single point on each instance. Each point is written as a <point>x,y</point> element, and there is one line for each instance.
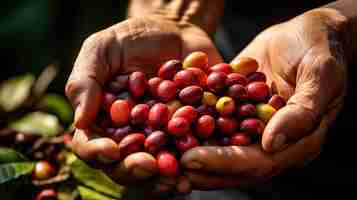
<point>305,62</point>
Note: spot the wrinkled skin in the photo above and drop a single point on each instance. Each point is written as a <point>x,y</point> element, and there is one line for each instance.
<point>305,62</point>
<point>135,44</point>
<point>304,59</point>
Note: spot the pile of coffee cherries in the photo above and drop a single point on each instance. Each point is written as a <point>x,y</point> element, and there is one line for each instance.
<point>188,104</point>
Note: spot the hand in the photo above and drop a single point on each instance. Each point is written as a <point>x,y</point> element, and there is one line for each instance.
<point>135,44</point>
<point>305,62</point>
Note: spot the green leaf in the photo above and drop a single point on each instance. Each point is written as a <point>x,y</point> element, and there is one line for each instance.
<point>89,194</point>
<point>94,178</point>
<point>37,123</point>
<point>15,91</point>
<point>58,105</point>
<point>8,155</point>
<point>66,191</point>
<point>12,171</point>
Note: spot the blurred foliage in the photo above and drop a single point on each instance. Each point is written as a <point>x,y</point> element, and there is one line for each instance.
<point>15,91</point>
<point>94,179</point>
<point>33,128</point>
<point>8,155</point>
<point>37,123</point>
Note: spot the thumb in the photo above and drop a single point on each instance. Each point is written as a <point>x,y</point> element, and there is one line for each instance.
<point>89,74</point>
<point>85,95</point>
<point>318,82</point>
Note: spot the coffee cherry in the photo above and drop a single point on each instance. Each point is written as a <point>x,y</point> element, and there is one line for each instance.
<point>235,78</point>
<point>120,112</point>
<point>245,65</point>
<point>137,84</point>
<point>206,110</point>
<point>167,164</point>
<point>186,143</point>
<point>173,106</point>
<point>240,139</point>
<point>169,69</point>
<point>128,97</point>
<point>221,67</point>
<point>153,84</point>
<point>209,99</point>
<point>191,95</point>
<point>256,77</point>
<point>108,100</point>
<point>43,170</point>
<point>186,78</point>
<point>265,111</point>
<point>205,126</point>
<point>226,125</point>
<point>119,83</point>
<point>216,81</point>
<point>237,92</point>
<point>252,126</point>
<point>277,102</point>
<point>200,75</point>
<point>151,102</point>
<point>225,106</point>
<point>158,115</point>
<point>178,126</point>
<point>148,130</point>
<point>258,91</point>
<point>187,112</point>
<point>47,194</point>
<point>131,143</point>
<point>118,134</point>
<point>196,59</point>
<point>166,91</point>
<point>139,114</point>
<point>246,111</point>
<point>155,142</point>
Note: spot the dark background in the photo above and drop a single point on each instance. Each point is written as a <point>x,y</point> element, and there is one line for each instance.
<point>35,33</point>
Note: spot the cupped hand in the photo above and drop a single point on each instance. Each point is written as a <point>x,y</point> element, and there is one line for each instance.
<point>305,62</point>
<point>136,44</point>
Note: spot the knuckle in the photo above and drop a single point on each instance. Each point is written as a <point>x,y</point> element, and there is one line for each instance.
<point>93,38</point>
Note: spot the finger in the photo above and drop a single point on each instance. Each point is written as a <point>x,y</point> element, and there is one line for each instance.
<point>135,167</point>
<point>101,149</point>
<point>203,181</point>
<point>243,161</point>
<point>89,74</point>
<point>319,82</point>
<point>309,147</point>
<point>196,13</point>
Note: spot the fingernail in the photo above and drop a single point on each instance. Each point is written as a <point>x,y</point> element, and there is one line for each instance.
<point>278,142</point>
<point>194,165</point>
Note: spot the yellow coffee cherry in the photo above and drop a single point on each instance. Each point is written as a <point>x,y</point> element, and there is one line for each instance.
<point>265,111</point>
<point>225,106</point>
<point>244,65</point>
<point>197,59</point>
<point>209,99</point>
